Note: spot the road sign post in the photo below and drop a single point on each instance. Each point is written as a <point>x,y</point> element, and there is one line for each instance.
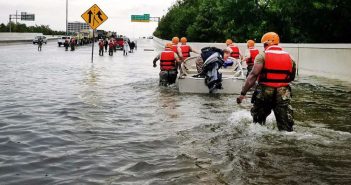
<point>94,17</point>
<point>24,17</point>
<point>92,47</point>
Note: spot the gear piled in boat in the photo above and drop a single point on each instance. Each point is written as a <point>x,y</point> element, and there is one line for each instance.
<point>213,61</point>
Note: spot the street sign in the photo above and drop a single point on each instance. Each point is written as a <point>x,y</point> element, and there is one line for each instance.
<point>94,16</point>
<point>27,17</point>
<point>140,18</point>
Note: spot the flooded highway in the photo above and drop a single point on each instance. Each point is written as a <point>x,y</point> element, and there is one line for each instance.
<point>64,120</point>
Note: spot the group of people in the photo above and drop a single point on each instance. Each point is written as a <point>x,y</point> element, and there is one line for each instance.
<point>72,42</point>
<point>269,71</point>
<point>171,59</point>
<point>113,44</point>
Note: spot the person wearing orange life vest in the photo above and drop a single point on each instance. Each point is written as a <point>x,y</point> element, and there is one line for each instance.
<point>236,53</point>
<point>275,69</point>
<point>101,47</point>
<point>168,65</point>
<point>250,55</point>
<point>185,49</point>
<point>111,46</point>
<point>175,48</point>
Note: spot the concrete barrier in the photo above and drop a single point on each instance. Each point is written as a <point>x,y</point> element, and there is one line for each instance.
<point>6,37</point>
<point>325,60</point>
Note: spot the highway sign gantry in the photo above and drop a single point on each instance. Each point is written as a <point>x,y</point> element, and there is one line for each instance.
<point>94,16</point>
<point>140,18</point>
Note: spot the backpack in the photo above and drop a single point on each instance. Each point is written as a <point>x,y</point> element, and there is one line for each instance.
<point>206,52</point>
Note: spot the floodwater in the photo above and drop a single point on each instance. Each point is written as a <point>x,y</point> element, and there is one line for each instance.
<point>64,120</point>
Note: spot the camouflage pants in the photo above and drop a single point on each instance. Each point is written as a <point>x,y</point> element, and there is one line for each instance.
<point>267,98</point>
<point>168,77</point>
<point>249,69</point>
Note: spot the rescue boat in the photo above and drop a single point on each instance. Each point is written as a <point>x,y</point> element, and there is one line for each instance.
<point>232,78</point>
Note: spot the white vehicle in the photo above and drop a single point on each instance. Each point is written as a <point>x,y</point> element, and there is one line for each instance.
<point>61,40</point>
<point>232,79</point>
<point>43,38</point>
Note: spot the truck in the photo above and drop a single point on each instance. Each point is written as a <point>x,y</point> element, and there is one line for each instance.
<point>119,43</point>
<point>62,39</point>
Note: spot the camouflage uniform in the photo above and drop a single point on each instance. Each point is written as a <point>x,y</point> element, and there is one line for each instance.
<point>267,98</point>
<point>168,77</point>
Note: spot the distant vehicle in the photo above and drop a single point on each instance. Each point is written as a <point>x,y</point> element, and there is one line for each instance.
<point>119,43</point>
<point>35,40</point>
<point>151,37</point>
<point>61,40</point>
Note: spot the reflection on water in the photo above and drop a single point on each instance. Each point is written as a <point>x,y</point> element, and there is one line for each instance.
<point>90,87</point>
<point>167,102</point>
<point>75,123</point>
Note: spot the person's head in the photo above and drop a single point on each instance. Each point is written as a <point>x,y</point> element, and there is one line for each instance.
<point>183,40</point>
<point>175,40</point>
<point>250,43</point>
<point>226,53</point>
<point>168,45</point>
<point>269,39</point>
<point>228,42</point>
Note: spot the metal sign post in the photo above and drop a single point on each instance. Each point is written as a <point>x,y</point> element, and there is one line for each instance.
<point>92,48</point>
<point>24,17</point>
<point>94,17</point>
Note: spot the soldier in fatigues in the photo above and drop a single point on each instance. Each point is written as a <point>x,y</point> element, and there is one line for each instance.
<point>274,69</point>
<point>168,65</point>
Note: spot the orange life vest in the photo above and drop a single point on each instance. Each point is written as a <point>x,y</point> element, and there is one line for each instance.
<point>101,44</point>
<point>175,48</point>
<point>235,54</point>
<point>253,53</point>
<point>111,44</point>
<point>168,61</point>
<point>185,51</point>
<point>277,69</point>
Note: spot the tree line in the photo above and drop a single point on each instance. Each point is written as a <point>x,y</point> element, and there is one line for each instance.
<point>296,21</point>
<point>18,27</point>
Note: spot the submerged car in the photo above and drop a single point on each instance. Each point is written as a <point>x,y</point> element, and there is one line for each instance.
<point>35,40</point>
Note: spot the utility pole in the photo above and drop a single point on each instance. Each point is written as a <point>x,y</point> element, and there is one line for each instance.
<point>66,17</point>
<point>10,22</point>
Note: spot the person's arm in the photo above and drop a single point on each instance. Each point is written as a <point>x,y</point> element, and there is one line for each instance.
<point>180,54</point>
<point>177,58</point>
<point>156,59</point>
<point>247,55</point>
<point>240,55</point>
<point>251,79</point>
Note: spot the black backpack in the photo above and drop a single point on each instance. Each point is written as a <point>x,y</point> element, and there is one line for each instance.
<point>206,52</point>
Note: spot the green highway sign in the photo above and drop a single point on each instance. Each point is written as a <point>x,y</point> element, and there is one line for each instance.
<point>140,18</point>
<point>27,17</point>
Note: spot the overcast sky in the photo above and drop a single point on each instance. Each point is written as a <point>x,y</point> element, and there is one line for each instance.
<point>53,13</point>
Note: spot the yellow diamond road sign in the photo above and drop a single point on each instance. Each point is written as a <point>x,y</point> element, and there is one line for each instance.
<point>94,16</point>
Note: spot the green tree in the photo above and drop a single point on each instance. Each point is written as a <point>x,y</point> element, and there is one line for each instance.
<point>323,21</point>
